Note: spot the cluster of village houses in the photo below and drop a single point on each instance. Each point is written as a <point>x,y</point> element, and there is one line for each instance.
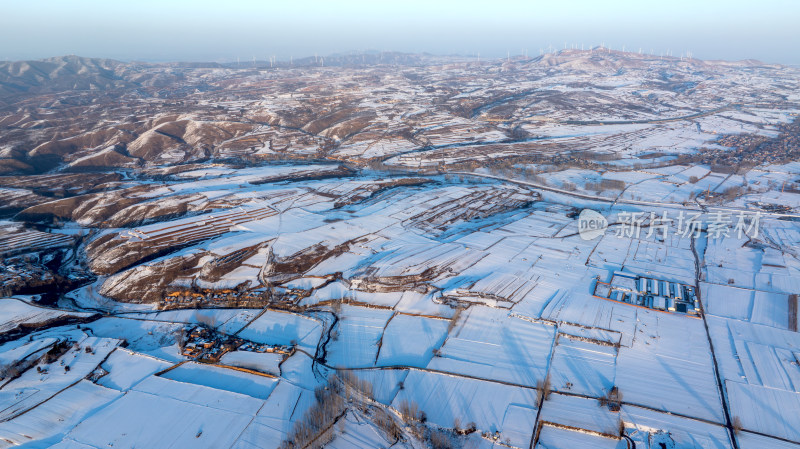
<point>204,344</point>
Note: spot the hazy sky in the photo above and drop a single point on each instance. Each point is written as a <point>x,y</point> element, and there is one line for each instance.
<point>222,31</point>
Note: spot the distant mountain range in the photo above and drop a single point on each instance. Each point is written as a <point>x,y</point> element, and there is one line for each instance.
<point>60,74</point>
<point>65,73</point>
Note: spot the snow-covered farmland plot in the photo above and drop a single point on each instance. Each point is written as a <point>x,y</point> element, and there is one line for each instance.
<point>411,340</point>
<point>552,437</point>
<point>487,343</point>
<point>64,411</point>
<point>15,314</point>
<point>281,328</point>
<point>491,406</point>
<point>177,415</point>
<point>359,333</point>
<point>32,240</point>
<point>667,368</point>
<point>227,379</point>
<point>583,367</point>
<point>37,386</point>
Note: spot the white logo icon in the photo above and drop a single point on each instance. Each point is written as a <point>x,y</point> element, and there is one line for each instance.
<point>591,224</point>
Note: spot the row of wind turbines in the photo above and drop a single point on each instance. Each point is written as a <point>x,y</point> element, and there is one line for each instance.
<point>603,48</point>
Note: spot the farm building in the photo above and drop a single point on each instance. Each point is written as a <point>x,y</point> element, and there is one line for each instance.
<point>651,293</point>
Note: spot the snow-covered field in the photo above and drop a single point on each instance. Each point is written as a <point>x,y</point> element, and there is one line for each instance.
<point>396,266</point>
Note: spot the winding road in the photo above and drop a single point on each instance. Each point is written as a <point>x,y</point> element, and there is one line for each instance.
<point>700,207</point>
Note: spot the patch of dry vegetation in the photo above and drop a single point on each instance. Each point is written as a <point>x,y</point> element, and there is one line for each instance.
<point>315,429</point>
<point>343,391</point>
